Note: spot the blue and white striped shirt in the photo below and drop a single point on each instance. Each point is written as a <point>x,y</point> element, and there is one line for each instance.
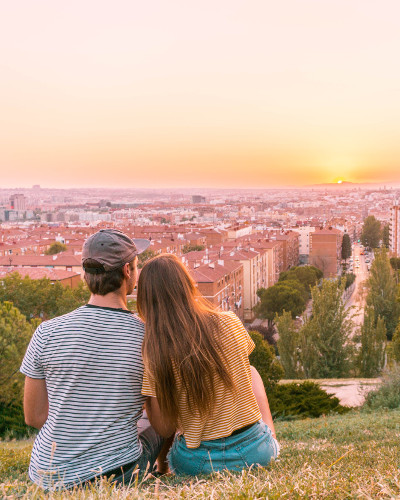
<point>91,361</point>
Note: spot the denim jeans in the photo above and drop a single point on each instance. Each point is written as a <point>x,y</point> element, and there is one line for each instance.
<point>254,446</point>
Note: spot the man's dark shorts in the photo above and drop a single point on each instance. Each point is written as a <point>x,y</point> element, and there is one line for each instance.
<point>151,445</point>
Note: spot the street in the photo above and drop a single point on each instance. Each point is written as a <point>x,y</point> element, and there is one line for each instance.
<point>357,298</point>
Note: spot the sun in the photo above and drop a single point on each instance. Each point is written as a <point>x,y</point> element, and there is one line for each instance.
<point>339,182</point>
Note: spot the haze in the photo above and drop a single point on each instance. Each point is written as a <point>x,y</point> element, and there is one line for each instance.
<point>228,93</point>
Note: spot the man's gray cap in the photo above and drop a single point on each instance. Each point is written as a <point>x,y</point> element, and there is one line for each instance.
<point>112,249</point>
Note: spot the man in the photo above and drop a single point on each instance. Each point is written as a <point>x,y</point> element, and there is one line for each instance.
<point>84,377</point>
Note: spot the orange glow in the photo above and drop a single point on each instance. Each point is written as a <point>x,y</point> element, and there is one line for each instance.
<point>159,94</point>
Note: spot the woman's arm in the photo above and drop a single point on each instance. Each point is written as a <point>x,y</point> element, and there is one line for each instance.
<point>161,425</point>
<point>262,400</point>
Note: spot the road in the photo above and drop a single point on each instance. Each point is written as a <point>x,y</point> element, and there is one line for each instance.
<point>357,298</point>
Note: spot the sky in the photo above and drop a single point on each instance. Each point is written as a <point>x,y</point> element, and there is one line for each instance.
<point>177,93</point>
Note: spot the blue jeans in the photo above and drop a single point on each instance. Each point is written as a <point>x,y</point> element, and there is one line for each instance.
<point>255,445</point>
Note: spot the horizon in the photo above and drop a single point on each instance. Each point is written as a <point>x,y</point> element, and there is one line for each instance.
<point>227,95</point>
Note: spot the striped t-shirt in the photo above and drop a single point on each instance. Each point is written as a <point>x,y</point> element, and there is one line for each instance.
<point>91,360</point>
<point>232,409</point>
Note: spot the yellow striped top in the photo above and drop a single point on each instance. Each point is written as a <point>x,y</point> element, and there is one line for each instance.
<point>233,409</point>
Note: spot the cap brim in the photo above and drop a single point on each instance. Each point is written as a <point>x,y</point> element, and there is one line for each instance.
<point>141,245</point>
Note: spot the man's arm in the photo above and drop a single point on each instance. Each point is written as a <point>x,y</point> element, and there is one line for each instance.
<point>36,402</point>
<point>158,422</point>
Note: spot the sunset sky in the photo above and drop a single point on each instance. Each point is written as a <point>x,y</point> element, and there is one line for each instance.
<point>220,93</point>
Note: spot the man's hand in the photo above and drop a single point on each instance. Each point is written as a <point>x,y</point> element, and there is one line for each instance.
<point>36,402</point>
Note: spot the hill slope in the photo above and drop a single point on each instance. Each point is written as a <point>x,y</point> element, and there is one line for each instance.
<point>356,455</point>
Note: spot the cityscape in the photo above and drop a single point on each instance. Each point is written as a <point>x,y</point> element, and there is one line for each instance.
<point>234,241</point>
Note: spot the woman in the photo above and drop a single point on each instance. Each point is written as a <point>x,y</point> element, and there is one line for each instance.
<point>198,378</point>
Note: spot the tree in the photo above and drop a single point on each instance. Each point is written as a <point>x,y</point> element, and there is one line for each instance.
<point>385,235</point>
<point>56,247</point>
<point>15,333</point>
<point>284,295</point>
<point>308,276</point>
<point>288,345</point>
<point>346,246</point>
<point>395,344</point>
<point>265,362</point>
<point>41,298</point>
<point>382,293</point>
<point>193,248</point>
<point>371,232</point>
<point>395,263</point>
<point>144,257</point>
<point>371,357</point>
<point>325,347</point>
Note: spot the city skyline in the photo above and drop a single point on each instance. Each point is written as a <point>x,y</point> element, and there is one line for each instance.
<point>174,95</point>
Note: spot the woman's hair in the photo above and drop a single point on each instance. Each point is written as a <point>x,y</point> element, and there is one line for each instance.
<point>181,339</point>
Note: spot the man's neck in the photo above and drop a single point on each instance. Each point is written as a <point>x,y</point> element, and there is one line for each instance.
<point>113,300</point>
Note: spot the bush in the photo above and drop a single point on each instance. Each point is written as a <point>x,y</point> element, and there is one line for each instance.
<point>265,362</point>
<point>267,333</point>
<point>302,400</point>
<point>388,394</point>
<point>350,279</point>
<point>12,422</point>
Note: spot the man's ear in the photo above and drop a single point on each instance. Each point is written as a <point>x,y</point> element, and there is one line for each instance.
<point>127,271</point>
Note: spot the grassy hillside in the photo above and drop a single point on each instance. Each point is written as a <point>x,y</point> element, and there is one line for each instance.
<point>352,456</point>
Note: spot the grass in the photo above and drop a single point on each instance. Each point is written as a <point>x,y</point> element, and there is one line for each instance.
<point>352,456</point>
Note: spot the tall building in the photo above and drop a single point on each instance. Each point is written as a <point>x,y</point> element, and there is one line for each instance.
<point>325,250</point>
<point>394,230</point>
<point>196,198</point>
<point>18,202</point>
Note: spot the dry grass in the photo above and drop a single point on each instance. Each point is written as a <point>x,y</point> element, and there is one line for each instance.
<point>351,456</point>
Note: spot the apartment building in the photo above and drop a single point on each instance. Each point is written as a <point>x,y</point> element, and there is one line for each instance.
<point>221,283</point>
<point>394,231</point>
<point>326,250</point>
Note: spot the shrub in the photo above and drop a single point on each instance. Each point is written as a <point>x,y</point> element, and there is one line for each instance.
<point>302,400</point>
<point>265,362</point>
<point>267,333</point>
<point>388,394</point>
<point>12,422</point>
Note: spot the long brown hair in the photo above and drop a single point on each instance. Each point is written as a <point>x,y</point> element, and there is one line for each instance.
<point>181,340</point>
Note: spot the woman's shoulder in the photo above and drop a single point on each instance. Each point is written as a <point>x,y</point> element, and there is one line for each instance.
<point>229,319</point>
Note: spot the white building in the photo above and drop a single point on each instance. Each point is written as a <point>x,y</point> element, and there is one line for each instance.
<point>304,242</point>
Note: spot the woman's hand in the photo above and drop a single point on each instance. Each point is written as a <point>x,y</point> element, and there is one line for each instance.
<point>161,425</point>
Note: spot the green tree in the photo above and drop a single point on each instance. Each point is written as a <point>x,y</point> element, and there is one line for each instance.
<point>56,247</point>
<point>382,294</point>
<point>287,295</point>
<point>144,257</point>
<point>288,345</point>
<point>15,333</point>
<point>192,248</point>
<point>385,235</point>
<point>371,357</point>
<point>325,346</point>
<point>371,232</point>
<point>395,344</point>
<point>346,246</point>
<point>395,263</point>
<point>265,362</point>
<point>41,298</point>
<point>308,276</point>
